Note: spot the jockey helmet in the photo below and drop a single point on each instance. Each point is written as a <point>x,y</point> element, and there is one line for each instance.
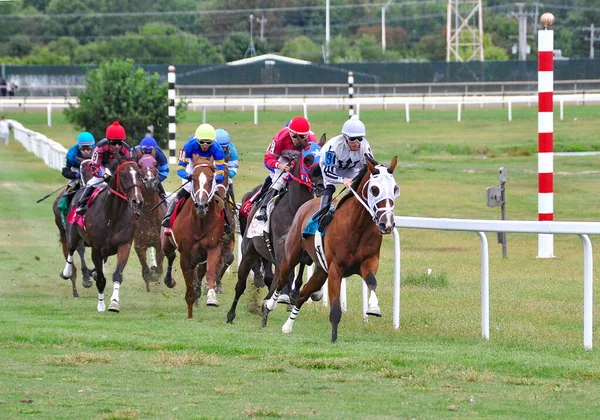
<point>354,128</point>
<point>85,139</point>
<point>205,132</point>
<point>299,127</point>
<point>222,137</point>
<point>148,144</point>
<point>115,132</point>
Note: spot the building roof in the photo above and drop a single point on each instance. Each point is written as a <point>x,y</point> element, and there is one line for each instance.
<point>268,57</point>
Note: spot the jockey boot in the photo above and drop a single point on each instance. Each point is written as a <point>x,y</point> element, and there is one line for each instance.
<point>324,216</point>
<point>85,196</point>
<point>262,212</point>
<point>161,191</point>
<point>167,218</point>
<point>263,189</point>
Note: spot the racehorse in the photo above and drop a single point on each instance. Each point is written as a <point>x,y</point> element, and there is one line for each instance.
<point>351,243</point>
<point>307,180</point>
<point>262,270</point>
<point>147,234</point>
<point>108,226</point>
<point>197,232</point>
<point>59,220</point>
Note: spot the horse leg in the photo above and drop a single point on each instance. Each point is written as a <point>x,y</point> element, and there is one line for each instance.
<point>257,274</point>
<point>368,269</point>
<point>100,279</point>
<point>122,257</point>
<point>158,270</point>
<point>297,283</point>
<point>190,288</point>
<point>199,274</point>
<point>316,281</point>
<point>69,271</point>
<point>141,250</point>
<point>213,255</point>
<point>227,259</point>
<point>169,251</point>
<point>268,270</point>
<point>248,260</point>
<point>86,273</point>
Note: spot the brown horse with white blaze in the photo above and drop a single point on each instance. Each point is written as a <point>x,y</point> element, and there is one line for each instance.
<point>109,226</point>
<point>197,233</point>
<point>351,244</point>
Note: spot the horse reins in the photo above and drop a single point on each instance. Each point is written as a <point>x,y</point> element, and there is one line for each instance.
<point>122,193</point>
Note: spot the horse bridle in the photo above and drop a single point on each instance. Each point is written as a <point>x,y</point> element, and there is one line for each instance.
<point>386,184</point>
<point>119,191</point>
<point>196,195</point>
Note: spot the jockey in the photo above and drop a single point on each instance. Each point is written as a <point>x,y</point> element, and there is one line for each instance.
<point>148,146</point>
<point>342,158</point>
<point>203,144</point>
<point>231,156</point>
<point>286,144</point>
<point>108,148</point>
<point>76,154</point>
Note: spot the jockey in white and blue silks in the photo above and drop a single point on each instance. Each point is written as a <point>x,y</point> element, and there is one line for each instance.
<point>204,145</point>
<point>149,146</point>
<point>342,158</point>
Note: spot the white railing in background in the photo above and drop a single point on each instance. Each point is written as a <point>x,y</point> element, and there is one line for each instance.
<point>307,104</point>
<point>51,152</point>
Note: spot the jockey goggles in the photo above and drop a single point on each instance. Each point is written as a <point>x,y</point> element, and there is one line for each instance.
<point>115,142</point>
<point>208,142</point>
<point>353,139</point>
<point>299,136</point>
<point>86,148</point>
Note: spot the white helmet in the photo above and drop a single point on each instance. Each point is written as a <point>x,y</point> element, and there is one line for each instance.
<point>354,128</point>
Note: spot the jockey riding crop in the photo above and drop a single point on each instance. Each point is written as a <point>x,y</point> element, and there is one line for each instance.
<point>53,192</point>
<point>167,197</point>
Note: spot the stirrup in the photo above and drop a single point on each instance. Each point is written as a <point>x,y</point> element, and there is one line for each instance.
<point>165,222</point>
<point>81,210</point>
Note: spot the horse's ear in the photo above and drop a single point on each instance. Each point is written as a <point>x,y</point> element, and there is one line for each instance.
<point>323,140</point>
<point>393,164</point>
<point>371,166</point>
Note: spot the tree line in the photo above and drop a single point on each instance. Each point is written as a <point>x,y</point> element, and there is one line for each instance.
<point>217,31</point>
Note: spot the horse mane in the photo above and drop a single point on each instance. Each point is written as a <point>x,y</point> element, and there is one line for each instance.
<point>356,182</point>
<point>114,163</point>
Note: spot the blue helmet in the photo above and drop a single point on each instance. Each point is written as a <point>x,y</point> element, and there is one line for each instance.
<point>147,144</point>
<point>222,137</point>
<point>86,139</point>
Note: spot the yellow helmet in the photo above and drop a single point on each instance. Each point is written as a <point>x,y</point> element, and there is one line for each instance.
<point>205,132</point>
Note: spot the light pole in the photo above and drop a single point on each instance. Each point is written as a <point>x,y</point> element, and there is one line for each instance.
<point>327,33</point>
<point>251,49</point>
<point>383,25</point>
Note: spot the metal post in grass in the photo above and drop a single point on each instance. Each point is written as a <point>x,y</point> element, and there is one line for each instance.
<point>172,114</point>
<point>545,133</point>
<point>350,93</point>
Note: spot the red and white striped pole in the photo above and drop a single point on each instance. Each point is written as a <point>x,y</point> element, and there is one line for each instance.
<point>545,133</point>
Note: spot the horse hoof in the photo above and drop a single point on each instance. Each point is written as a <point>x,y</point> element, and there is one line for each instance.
<point>95,275</point>
<point>114,306</point>
<point>259,281</point>
<point>87,284</point>
<point>219,289</point>
<point>375,311</point>
<point>230,317</point>
<point>101,306</point>
<point>283,299</point>
<point>63,277</point>
<point>211,298</point>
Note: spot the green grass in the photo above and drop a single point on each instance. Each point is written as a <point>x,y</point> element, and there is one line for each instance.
<point>62,359</point>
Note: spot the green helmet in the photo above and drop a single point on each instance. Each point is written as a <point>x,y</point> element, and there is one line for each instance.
<point>205,132</point>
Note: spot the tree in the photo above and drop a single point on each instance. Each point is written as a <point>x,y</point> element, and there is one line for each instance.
<point>302,48</point>
<point>19,46</point>
<point>119,91</point>
<point>369,48</point>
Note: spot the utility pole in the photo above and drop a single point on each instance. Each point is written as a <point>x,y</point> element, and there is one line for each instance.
<point>591,38</point>
<point>327,33</point>
<point>535,18</point>
<point>251,49</point>
<point>383,25</point>
<point>262,22</point>
<point>521,16</point>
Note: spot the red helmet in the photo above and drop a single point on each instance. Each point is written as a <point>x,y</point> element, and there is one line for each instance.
<point>115,132</point>
<point>299,126</point>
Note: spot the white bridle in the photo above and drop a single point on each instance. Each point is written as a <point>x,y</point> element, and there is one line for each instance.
<point>202,181</point>
<point>384,184</point>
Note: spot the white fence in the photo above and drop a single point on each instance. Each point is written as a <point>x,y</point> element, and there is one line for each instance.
<point>51,152</point>
<point>224,103</point>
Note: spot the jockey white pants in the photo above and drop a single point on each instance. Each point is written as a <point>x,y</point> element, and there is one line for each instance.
<point>278,176</point>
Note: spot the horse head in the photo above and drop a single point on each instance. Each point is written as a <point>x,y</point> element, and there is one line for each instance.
<point>381,191</point>
<point>309,171</point>
<point>149,168</point>
<point>126,181</point>
<point>204,184</point>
